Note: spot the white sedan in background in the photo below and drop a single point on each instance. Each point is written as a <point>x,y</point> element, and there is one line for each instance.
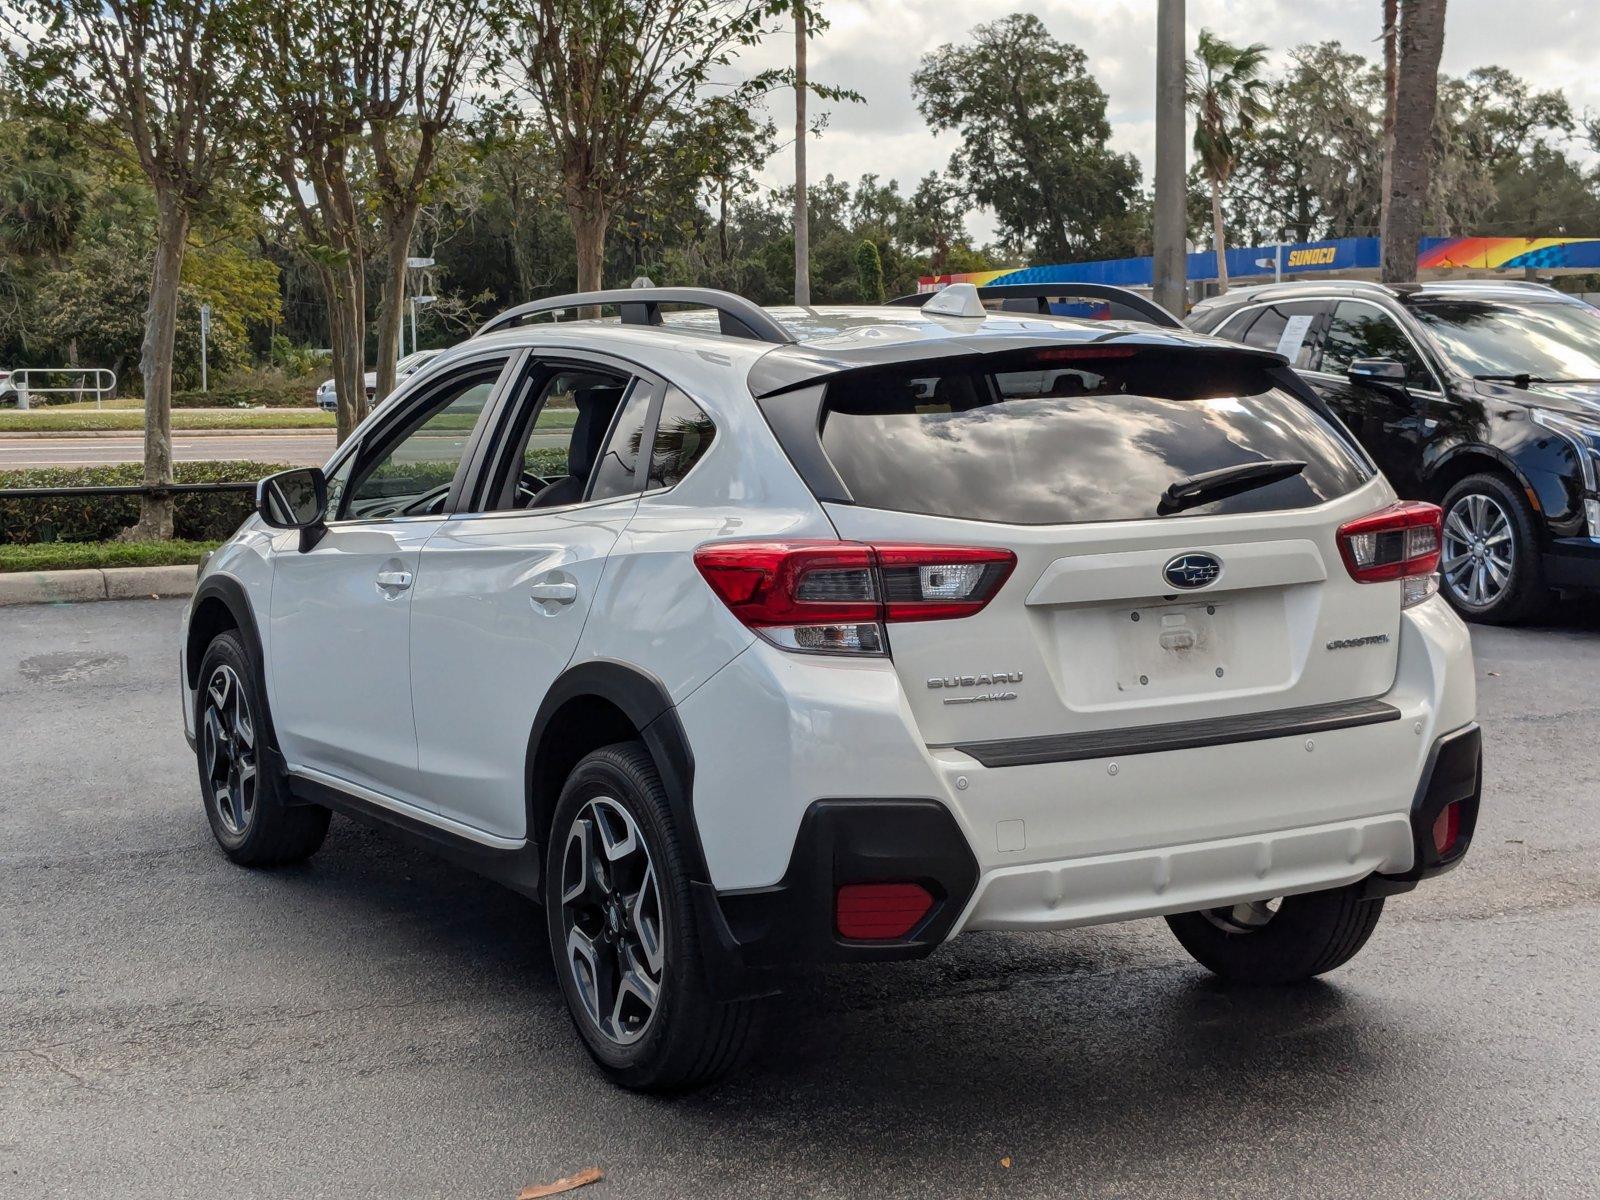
<point>328,400</point>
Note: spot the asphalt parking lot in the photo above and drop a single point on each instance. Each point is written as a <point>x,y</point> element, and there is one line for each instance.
<point>378,1024</point>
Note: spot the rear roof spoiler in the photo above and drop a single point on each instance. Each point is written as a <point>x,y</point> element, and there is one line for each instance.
<point>1043,293</point>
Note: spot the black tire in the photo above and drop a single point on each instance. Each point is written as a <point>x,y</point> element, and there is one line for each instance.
<point>1525,594</point>
<point>1306,935</point>
<point>688,1038</point>
<point>251,813</point>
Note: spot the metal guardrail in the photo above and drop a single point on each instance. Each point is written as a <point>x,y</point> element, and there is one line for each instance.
<point>105,382</point>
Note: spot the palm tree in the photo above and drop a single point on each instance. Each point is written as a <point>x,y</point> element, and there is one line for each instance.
<point>1226,90</point>
<point>1409,166</point>
<point>41,205</point>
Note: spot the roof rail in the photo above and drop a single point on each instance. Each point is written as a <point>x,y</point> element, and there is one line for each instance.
<point>1148,310</point>
<point>736,316</point>
<point>1467,284</point>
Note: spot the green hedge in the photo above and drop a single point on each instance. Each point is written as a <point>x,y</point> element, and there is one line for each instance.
<point>73,556</point>
<point>546,460</point>
<point>296,395</point>
<point>197,517</point>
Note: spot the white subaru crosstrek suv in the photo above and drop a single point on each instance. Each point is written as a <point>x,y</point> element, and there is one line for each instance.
<point>748,639</point>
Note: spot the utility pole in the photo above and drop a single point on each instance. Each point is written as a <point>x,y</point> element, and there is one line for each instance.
<point>802,217</point>
<point>1170,262</point>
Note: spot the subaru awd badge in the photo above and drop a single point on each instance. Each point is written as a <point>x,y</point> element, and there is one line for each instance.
<point>1193,570</point>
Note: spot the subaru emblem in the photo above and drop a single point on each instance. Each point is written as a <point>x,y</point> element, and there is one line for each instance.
<point>1193,570</point>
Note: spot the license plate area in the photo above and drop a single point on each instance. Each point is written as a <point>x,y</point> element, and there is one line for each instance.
<point>1174,649</point>
<point>1133,654</point>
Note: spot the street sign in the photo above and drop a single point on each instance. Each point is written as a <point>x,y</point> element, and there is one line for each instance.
<point>205,336</point>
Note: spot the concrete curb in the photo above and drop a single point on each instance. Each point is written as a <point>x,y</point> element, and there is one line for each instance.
<point>97,583</point>
<point>23,435</point>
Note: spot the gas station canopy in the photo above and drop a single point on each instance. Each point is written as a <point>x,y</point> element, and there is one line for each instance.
<point>1351,258</point>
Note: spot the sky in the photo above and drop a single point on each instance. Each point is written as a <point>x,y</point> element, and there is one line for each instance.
<point>874,45</point>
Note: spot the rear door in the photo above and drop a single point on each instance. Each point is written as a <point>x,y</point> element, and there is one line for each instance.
<point>1119,613</point>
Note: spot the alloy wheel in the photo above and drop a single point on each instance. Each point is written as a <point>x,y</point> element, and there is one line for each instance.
<point>612,916</point>
<point>1479,548</point>
<point>1242,918</point>
<point>228,732</point>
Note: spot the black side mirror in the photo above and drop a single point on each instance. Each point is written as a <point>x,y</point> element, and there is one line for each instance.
<point>1377,372</point>
<point>296,499</point>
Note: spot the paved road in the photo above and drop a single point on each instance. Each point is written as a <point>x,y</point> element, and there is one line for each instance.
<point>308,449</point>
<point>378,1024</point>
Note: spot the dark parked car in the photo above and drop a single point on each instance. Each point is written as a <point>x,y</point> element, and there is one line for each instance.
<point>1483,397</point>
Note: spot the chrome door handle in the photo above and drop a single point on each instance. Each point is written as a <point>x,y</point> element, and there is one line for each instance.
<point>397,581</point>
<point>553,593</point>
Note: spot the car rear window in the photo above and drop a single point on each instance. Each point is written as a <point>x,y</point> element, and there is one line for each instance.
<point>1066,438</point>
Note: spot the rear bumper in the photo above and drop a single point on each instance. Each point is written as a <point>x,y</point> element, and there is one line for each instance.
<point>1573,563</point>
<point>1075,837</point>
<point>763,930</point>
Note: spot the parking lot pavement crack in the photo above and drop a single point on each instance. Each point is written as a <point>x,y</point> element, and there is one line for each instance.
<point>59,1069</point>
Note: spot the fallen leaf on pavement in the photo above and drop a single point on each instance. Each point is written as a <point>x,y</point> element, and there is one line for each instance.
<point>584,1177</point>
<point>1006,1162</point>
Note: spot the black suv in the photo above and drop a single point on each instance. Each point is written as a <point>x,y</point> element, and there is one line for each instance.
<point>1483,397</point>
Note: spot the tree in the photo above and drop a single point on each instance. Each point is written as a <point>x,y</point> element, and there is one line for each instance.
<point>1391,78</point>
<point>164,83</point>
<point>869,273</point>
<point>1228,95</point>
<point>41,207</point>
<point>607,76</point>
<point>1033,130</point>
<point>936,219</point>
<point>321,60</point>
<point>520,175</point>
<point>1420,46</point>
<point>1311,169</point>
<point>42,202</point>
<point>361,92</point>
<point>437,42</point>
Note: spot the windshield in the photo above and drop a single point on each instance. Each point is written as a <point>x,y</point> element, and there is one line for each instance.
<point>1555,342</point>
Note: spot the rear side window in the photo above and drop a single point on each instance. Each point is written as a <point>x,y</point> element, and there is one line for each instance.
<point>683,435</point>
<point>1288,329</point>
<point>1065,442</point>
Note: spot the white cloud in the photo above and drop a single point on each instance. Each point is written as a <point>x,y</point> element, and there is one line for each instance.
<point>875,45</point>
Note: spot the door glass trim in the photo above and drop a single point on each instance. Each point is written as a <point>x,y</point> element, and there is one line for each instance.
<point>634,489</point>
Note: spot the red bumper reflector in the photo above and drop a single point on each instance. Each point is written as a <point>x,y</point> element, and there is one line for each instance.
<point>1446,828</point>
<point>880,912</point>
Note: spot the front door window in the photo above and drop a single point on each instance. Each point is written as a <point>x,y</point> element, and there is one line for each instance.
<point>411,473</point>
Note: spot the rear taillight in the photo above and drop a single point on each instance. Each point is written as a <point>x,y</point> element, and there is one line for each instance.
<point>836,597</point>
<point>1399,542</point>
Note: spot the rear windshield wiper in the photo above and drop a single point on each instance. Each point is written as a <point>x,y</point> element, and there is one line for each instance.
<point>1193,490</point>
